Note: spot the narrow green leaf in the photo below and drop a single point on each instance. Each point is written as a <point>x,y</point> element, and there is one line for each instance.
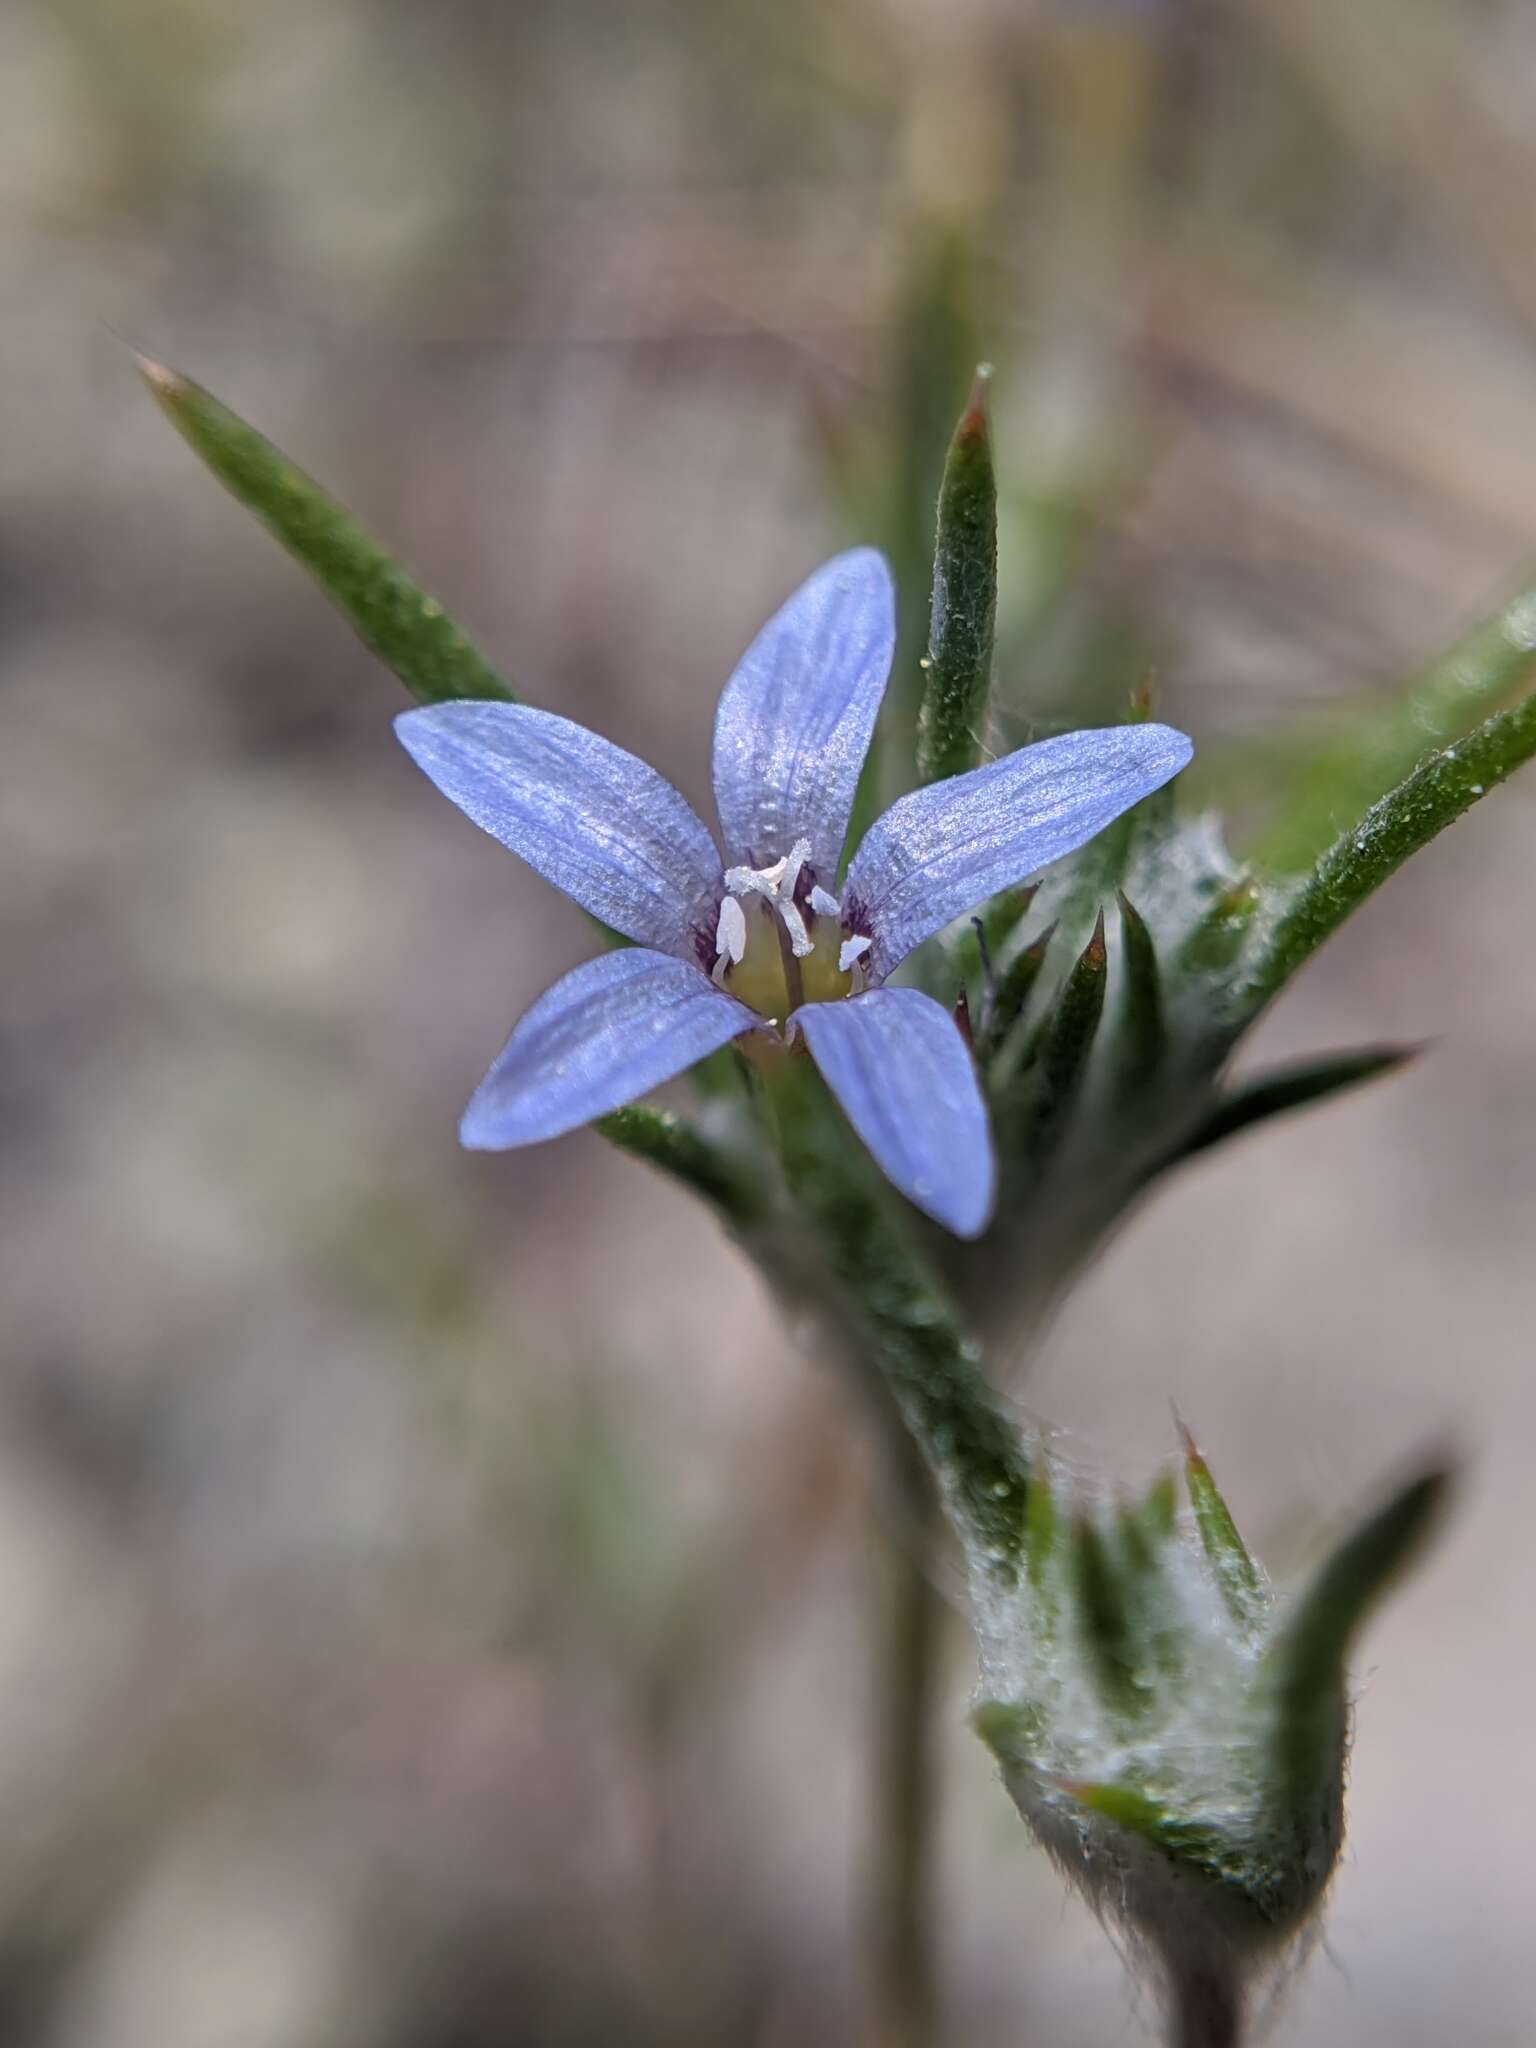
<point>1009,1730</point>
<point>1041,1524</point>
<point>1143,1026</point>
<point>1014,987</point>
<point>1237,1577</point>
<point>1129,1807</point>
<point>1066,1045</point>
<point>1407,818</point>
<point>392,615</point>
<point>964,608</point>
<point>435,660</point>
<point>1105,1618</point>
<point>1143,1528</point>
<point>1042,1527</point>
<point>1291,1087</point>
<point>1305,1664</point>
<point>1159,1509</point>
<point>1375,750</point>
<point>665,1140</point>
<point>1070,1039</point>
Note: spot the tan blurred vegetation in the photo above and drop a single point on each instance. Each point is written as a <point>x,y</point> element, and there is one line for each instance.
<point>431,1590</point>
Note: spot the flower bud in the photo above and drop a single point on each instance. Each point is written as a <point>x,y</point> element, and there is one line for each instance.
<point>1172,1731</point>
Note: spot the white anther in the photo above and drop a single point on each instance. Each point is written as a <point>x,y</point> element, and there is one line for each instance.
<point>794,861</point>
<point>853,950</point>
<point>800,940</point>
<point>777,885</point>
<point>731,931</point>
<point>753,881</point>
<point>730,938</point>
<point>823,904</point>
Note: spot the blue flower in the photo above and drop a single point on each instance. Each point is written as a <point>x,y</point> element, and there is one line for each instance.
<point>765,940</point>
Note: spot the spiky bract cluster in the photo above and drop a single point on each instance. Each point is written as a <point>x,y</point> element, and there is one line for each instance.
<point>1172,1731</point>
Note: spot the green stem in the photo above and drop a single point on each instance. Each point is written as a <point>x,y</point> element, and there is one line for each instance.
<point>907,1634</point>
<point>924,1372</point>
<point>391,614</point>
<point>1207,2009</point>
<point>897,1319</point>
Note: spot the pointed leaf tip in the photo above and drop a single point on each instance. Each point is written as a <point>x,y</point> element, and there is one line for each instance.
<point>162,380</point>
<point>1007,1729</point>
<point>1237,1577</point>
<point>1294,1086</point>
<point>1143,1023</point>
<point>1065,1038</point>
<point>1306,1660</point>
<point>1014,985</point>
<point>409,630</point>
<point>975,421</point>
<point>963,614</point>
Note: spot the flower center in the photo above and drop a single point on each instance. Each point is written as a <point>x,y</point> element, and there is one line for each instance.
<point>780,940</point>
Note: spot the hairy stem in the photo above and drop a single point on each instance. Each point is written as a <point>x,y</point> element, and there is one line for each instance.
<point>905,1644</point>
<point>1207,2006</point>
<point>897,1319</point>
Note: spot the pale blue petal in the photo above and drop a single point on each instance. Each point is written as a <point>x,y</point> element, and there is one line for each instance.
<point>606,1033</point>
<point>941,850</point>
<point>896,1062</point>
<point>794,721</point>
<point>593,820</point>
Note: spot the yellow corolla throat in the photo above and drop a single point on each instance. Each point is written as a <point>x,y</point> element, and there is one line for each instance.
<point>774,953</point>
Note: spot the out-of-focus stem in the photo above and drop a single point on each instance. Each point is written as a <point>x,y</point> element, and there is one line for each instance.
<point>1207,2006</point>
<point>898,1323</point>
<point>906,1638</point>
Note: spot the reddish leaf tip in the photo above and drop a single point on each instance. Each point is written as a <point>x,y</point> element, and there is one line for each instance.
<point>1193,1456</point>
<point>974,420</point>
<point>162,380</point>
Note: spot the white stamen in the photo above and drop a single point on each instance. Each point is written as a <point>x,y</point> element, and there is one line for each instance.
<point>730,939</point>
<point>800,940</point>
<point>731,931</point>
<point>794,861</point>
<point>823,904</point>
<point>777,885</point>
<point>853,950</point>
<point>754,881</point>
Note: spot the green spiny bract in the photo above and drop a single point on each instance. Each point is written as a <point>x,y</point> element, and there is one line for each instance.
<point>1114,1005</point>
<point>1173,1732</point>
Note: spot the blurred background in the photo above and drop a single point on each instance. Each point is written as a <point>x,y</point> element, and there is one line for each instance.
<point>433,1587</point>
